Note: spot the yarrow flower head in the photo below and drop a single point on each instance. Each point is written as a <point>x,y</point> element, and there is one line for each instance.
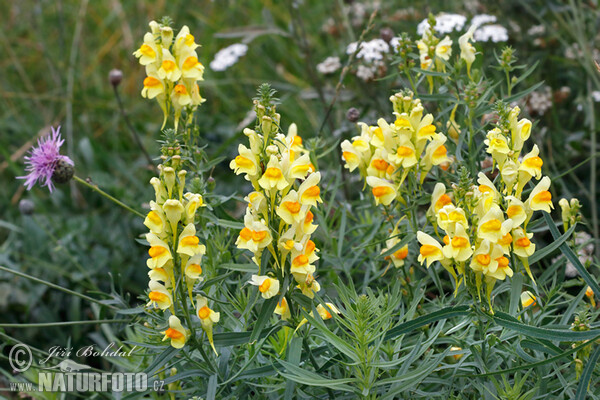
<point>46,165</point>
<point>228,56</point>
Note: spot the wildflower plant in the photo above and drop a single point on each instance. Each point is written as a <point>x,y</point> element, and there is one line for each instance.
<point>279,222</point>
<point>172,70</point>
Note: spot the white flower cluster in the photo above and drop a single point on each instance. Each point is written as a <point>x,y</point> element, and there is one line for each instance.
<point>540,101</point>
<point>596,96</point>
<point>495,33</point>
<point>444,23</point>
<point>447,23</point>
<point>228,56</point>
<point>370,51</point>
<point>329,65</point>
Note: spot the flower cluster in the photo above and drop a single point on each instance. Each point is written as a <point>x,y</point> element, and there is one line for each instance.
<point>228,56</point>
<point>486,225</point>
<point>175,251</point>
<point>385,154</point>
<point>172,70</point>
<point>278,217</point>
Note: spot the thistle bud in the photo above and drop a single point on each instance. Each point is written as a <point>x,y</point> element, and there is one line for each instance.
<point>115,76</point>
<point>352,114</point>
<point>26,207</point>
<point>63,172</point>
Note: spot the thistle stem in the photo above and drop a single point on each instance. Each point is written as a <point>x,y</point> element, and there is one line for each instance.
<point>108,196</point>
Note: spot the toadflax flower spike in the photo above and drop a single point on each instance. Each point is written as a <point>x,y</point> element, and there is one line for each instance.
<point>46,165</point>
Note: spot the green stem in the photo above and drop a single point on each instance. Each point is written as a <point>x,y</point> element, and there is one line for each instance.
<point>64,323</point>
<point>52,285</point>
<point>108,196</point>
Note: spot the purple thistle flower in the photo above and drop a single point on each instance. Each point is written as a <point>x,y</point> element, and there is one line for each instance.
<point>43,160</point>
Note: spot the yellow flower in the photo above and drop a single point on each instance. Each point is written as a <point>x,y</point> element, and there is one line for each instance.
<point>528,299</point>
<point>184,41</point>
<point>492,226</point>
<point>158,274</point>
<point>325,311</point>
<point>515,210</point>
<point>467,51</point>
<point>350,155</point>
<point>148,51</point>
<point>159,296</point>
<point>502,271</point>
<point>307,227</point>
<point>383,191</point>
<point>155,219</point>
<point>290,210</point>
<point>430,250</point>
<point>173,210</point>
<point>189,242</point>
<point>193,267</point>
<point>459,247</point>
<point>254,236</point>
<point>245,163</point>
<point>192,202</point>
<point>273,177</point>
<point>522,246</point>
<point>159,252</point>
<point>540,198</point>
<point>267,286</point>
<point>449,217</point>
<point>378,165</point>
<point>532,163</point>
<point>439,198</point>
<point>160,191</point>
<point>168,69</point>
<point>283,309</point>
<point>485,258</point>
<point>443,49</point>
<point>180,96</point>
<point>153,86</point>
<point>310,286</point>
<point>176,332</point>
<point>308,192</point>
<point>404,154</point>
<point>207,317</point>
<point>257,202</point>
<point>299,168</point>
<point>497,145</point>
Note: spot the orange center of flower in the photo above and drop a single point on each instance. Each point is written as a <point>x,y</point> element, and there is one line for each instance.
<point>505,240</point>
<point>158,297</point>
<point>312,192</point>
<point>204,312</point>
<point>300,260</point>
<point>404,151</point>
<point>446,239</point>
<point>379,164</point>
<point>427,130</point>
<point>349,157</point>
<point>440,151</point>
<point>485,189</point>
<point>534,162</point>
<point>180,89</point>
<point>523,242</point>
<point>483,259</point>
<point>174,334</point>
<point>292,206</point>
<point>543,197</point>
<point>265,285</point>
<point>380,191</point>
<point>459,242</point>
<point>246,234</point>
<point>273,173</point>
<point>502,262</point>
<point>147,51</point>
<point>154,218</point>
<point>442,201</point>
<point>309,218</point>
<point>151,82</point>
<point>168,65</point>
<point>190,62</point>
<point>259,236</point>
<point>310,247</point>
<point>428,250</point>
<point>243,162</point>
<point>401,254</point>
<point>156,251</point>
<point>190,241</point>
<point>492,225</point>
<point>195,268</point>
<point>513,210</point>
<point>297,141</point>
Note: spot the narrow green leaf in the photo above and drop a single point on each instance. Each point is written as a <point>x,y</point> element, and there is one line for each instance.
<point>266,312</point>
<point>240,267</point>
<point>561,335</point>
<point>409,326</point>
<point>542,253</point>
<point>294,353</point>
<point>300,375</point>
<point>586,376</point>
